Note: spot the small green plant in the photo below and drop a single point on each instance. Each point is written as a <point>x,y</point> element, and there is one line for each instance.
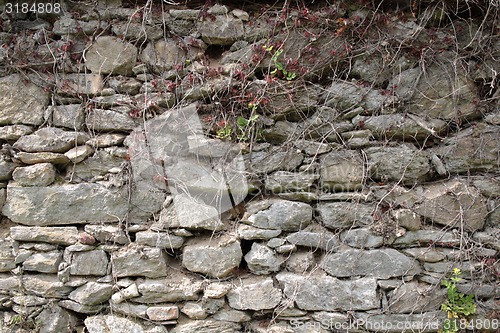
<point>459,306</point>
<point>245,126</point>
<point>279,68</point>
<point>225,132</point>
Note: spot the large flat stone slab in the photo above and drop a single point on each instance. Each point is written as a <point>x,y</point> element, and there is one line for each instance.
<point>21,102</point>
<point>64,204</point>
<point>52,235</point>
<point>324,293</point>
<point>379,263</point>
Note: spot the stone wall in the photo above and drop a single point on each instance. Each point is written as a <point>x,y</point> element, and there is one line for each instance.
<point>364,167</point>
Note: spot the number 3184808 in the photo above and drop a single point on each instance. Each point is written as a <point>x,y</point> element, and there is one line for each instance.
<point>24,7</point>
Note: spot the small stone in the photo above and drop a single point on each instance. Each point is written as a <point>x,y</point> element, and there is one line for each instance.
<point>45,285</point>
<point>86,239</point>
<point>78,154</point>
<point>54,235</point>
<point>43,262</point>
<point>342,171</point>
<point>106,140</point>
<point>301,262</point>
<point>213,258</point>
<point>42,157</point>
<point>160,240</point>
<point>406,218</point>
<point>50,139</point>
<point>81,308</point>
<point>92,293</point>
<point>258,294</point>
<point>250,233</point>
<point>261,260</point>
<point>379,263</point>
<point>241,14</point>
<point>194,310</point>
<point>279,215</point>
<point>110,55</point>
<point>135,260</point>
<point>89,263</point>
<point>21,101</point>
<point>75,84</point>
<point>70,116</point>
<point>107,233</point>
<point>41,174</point>
<point>162,313</point>
<point>14,132</point>
<point>231,315</point>
<point>216,290</point>
<point>124,294</point>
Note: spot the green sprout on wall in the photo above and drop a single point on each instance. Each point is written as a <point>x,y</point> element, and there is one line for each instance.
<point>245,126</point>
<point>458,306</point>
<point>279,68</point>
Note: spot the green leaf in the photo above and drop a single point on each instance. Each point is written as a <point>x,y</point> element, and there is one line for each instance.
<point>242,121</point>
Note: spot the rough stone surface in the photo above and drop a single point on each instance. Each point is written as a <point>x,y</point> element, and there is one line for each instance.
<point>116,119</point>
<point>427,237</point>
<point>473,149</point>
<point>75,84</point>
<point>6,169</point>
<point>89,263</point>
<point>110,55</point>
<point>70,116</point>
<point>162,313</point>
<point>215,258</point>
<point>261,260</point>
<point>45,285</point>
<point>342,171</point>
<point>255,295</point>
<point>52,235</point>
<point>171,289</point>
<point>107,233</point>
<point>398,126</point>
<point>91,293</point>
<point>160,240</point>
<point>53,318</point>
<point>78,154</point>
<point>324,293</point>
<point>43,262</point>
<point>43,157</point>
<point>7,258</point>
<point>206,326</point>
<point>20,102</point>
<point>41,174</point>
<point>248,232</point>
<point>382,264</point>
<point>283,181</point>
<point>397,163</point>
<point>14,132</point>
<point>63,204</point>
<point>279,214</point>
<point>452,203</point>
<point>416,297</point>
<point>111,324</point>
<point>162,55</point>
<point>139,261</point>
<point>191,214</point>
<point>336,215</point>
<point>314,238</point>
<point>224,30</point>
<point>50,139</point>
<point>361,238</point>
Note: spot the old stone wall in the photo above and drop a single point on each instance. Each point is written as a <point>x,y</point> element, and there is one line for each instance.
<point>272,168</point>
